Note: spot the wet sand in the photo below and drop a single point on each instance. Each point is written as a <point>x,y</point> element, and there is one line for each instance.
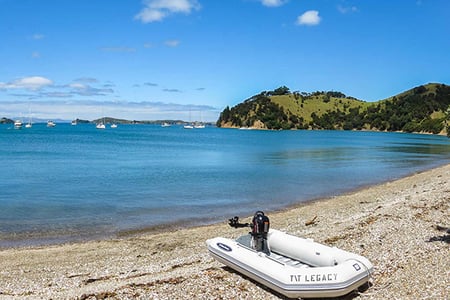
<point>399,226</point>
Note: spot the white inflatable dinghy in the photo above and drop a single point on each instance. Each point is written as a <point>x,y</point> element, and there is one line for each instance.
<point>290,265</point>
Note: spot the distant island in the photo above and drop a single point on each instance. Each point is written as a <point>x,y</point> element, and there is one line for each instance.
<point>110,120</point>
<point>423,109</point>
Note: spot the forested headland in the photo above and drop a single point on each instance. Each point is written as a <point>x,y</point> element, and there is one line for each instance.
<point>424,109</point>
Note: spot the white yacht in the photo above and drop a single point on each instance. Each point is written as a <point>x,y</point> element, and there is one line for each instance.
<point>199,126</point>
<point>18,124</point>
<point>30,122</point>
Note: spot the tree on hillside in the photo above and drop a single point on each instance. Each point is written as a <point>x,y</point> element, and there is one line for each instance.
<point>420,89</point>
<point>336,94</point>
<point>447,121</point>
<point>224,116</point>
<point>282,90</point>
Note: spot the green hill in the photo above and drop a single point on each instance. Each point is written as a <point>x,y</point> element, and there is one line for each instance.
<point>424,108</point>
<point>6,121</point>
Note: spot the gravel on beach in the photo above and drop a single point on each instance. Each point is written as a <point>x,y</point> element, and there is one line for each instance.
<point>400,226</point>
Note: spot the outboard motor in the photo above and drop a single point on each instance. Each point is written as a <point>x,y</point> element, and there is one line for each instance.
<point>260,228</point>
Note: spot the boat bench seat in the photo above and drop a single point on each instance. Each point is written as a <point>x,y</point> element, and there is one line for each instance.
<point>287,260</point>
<point>246,242</point>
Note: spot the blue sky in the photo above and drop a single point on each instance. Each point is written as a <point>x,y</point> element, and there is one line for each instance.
<point>181,59</point>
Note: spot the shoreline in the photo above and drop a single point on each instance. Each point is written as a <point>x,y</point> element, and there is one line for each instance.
<point>394,224</point>
<point>66,239</point>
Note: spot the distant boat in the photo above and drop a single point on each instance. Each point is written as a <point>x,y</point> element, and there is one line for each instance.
<point>30,123</point>
<point>74,123</point>
<point>165,124</point>
<point>199,126</point>
<point>101,124</point>
<point>50,123</point>
<point>113,125</point>
<point>18,124</point>
<point>189,125</point>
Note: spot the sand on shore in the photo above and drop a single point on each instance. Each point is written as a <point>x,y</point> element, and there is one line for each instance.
<point>399,226</point>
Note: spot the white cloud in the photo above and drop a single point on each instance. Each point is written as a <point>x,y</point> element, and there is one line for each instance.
<point>55,95</point>
<point>37,36</point>
<point>273,3</point>
<point>38,87</point>
<point>81,98</point>
<point>184,6</point>
<point>309,18</point>
<point>172,43</point>
<point>35,54</point>
<point>157,10</point>
<point>27,83</point>
<point>148,15</point>
<point>82,89</point>
<point>118,49</point>
<point>90,110</point>
<point>86,80</point>
<point>347,9</point>
<point>172,90</point>
<point>77,85</point>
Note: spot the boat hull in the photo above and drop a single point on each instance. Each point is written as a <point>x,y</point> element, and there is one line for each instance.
<point>289,276</point>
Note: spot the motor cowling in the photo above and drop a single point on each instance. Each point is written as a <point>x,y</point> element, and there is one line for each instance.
<point>260,229</point>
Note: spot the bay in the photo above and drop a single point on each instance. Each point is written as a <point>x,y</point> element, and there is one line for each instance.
<point>71,183</point>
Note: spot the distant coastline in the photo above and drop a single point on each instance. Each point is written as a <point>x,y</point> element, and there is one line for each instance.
<point>256,125</point>
<point>107,120</point>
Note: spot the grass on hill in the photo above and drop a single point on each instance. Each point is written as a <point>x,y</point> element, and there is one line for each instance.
<point>318,104</point>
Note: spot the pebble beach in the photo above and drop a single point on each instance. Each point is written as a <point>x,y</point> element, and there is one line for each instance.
<point>400,226</point>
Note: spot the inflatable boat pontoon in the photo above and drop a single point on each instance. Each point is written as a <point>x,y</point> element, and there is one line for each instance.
<point>290,265</point>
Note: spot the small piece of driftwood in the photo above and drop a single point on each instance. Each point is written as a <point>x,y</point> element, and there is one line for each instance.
<point>311,222</point>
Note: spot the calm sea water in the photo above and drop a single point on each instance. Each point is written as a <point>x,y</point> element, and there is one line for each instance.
<point>76,182</point>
